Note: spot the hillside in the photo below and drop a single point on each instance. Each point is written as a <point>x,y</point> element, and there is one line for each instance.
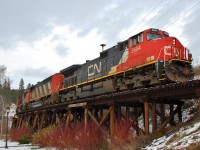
<point>185,137</point>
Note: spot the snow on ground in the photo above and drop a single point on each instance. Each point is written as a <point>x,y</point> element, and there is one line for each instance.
<point>17,146</point>
<point>191,110</point>
<point>177,140</point>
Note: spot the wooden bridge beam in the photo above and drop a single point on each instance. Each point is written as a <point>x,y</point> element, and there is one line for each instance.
<point>35,120</point>
<point>68,115</point>
<point>86,117</point>
<point>42,120</point>
<point>112,121</point>
<point>104,117</point>
<point>146,117</point>
<point>96,122</point>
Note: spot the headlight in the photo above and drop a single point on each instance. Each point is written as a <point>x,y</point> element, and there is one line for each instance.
<point>154,30</point>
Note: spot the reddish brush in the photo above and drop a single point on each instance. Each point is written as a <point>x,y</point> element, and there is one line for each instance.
<point>80,137</point>
<point>121,134</point>
<point>17,133</point>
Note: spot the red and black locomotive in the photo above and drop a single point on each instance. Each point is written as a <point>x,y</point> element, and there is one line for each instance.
<point>148,58</point>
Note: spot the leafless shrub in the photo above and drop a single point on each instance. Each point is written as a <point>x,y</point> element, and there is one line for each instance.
<point>197,70</point>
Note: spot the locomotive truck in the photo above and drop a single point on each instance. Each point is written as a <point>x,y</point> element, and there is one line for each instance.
<point>149,58</point>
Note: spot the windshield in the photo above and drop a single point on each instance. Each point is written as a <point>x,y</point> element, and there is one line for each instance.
<point>151,36</point>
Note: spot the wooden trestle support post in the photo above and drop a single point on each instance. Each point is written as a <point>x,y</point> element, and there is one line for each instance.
<point>35,120</point>
<point>42,120</point>
<point>68,117</point>
<point>86,118</point>
<point>112,121</point>
<point>146,117</point>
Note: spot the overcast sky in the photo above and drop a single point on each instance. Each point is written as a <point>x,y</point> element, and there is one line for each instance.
<point>40,37</point>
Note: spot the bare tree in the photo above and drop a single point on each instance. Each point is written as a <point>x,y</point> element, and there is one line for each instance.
<point>2,74</point>
<point>2,71</point>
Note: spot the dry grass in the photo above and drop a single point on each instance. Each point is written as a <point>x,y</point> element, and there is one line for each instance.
<point>194,146</point>
<point>78,137</point>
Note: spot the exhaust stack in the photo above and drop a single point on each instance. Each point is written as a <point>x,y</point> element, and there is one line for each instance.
<point>103,45</point>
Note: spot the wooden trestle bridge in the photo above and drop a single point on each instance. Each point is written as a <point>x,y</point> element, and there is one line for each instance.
<point>105,110</point>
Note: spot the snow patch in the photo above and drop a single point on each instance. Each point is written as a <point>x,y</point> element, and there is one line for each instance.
<point>179,140</point>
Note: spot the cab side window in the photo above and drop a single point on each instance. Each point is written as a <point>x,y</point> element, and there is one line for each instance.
<point>136,39</point>
<point>140,38</point>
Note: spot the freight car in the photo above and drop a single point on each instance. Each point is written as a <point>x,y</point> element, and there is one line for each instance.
<point>148,58</point>
<point>42,93</point>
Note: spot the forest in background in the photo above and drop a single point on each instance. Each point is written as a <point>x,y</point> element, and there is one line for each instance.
<point>9,95</point>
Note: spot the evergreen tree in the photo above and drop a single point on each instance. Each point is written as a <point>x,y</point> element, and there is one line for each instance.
<point>9,95</point>
<point>5,84</point>
<point>21,86</point>
<point>28,86</point>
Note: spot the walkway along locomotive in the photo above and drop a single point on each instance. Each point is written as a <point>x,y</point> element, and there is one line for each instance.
<point>148,58</point>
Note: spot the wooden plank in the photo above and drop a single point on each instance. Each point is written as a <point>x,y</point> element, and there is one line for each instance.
<point>35,121</point>
<point>146,116</point>
<point>86,118</point>
<point>77,105</point>
<point>104,117</point>
<point>112,121</point>
<point>68,118</point>
<point>96,122</point>
<point>42,120</point>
